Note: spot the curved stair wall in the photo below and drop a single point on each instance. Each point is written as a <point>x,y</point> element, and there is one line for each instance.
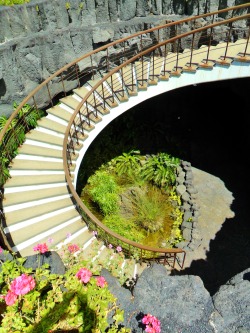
<point>40,201</point>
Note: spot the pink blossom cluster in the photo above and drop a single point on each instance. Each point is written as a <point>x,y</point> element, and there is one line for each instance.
<point>153,325</point>
<point>19,286</point>
<point>84,275</point>
<point>42,248</point>
<point>73,248</point>
<point>101,282</point>
<point>119,249</point>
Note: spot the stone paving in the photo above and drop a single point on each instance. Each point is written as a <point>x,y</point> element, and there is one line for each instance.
<point>214,201</point>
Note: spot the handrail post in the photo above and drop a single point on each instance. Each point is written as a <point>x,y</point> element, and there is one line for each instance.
<point>174,260</point>
<point>51,102</point>
<point>107,60</point>
<point>112,89</point>
<point>77,75</point>
<point>183,260</point>
<point>91,62</point>
<point>192,49</point>
<point>177,56</point>
<point>244,54</point>
<point>63,85</point>
<point>228,39</point>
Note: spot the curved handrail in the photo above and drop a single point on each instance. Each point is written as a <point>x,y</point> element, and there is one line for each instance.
<point>77,110</point>
<point>75,75</point>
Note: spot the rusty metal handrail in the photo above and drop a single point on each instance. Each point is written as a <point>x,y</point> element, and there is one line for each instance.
<point>90,56</point>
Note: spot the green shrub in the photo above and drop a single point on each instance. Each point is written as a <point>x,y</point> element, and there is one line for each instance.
<point>104,191</point>
<point>127,163</point>
<point>124,227</point>
<point>12,2</point>
<point>160,169</point>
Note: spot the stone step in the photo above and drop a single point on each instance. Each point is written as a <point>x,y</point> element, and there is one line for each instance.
<point>64,220</point>
<point>129,79</point>
<point>29,149</point>
<point>19,213</point>
<point>142,74</point>
<point>93,103</point>
<point>57,234</point>
<point>59,112</point>
<point>50,124</point>
<point>34,194</point>
<point>18,181</point>
<point>155,70</point>
<point>105,95</point>
<point>41,136</point>
<point>115,83</point>
<point>58,216</point>
<point>23,164</point>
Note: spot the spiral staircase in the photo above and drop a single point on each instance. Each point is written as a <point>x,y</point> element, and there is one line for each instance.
<point>39,201</point>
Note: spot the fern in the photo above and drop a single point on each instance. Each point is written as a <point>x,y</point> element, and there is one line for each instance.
<point>127,162</point>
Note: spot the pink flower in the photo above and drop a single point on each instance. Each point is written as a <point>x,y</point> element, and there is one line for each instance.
<point>10,298</point>
<point>95,233</point>
<point>1,250</point>
<point>100,281</point>
<point>73,248</point>
<point>50,240</point>
<point>119,249</point>
<point>153,325</point>
<point>68,235</point>
<point>84,275</point>
<point>42,248</point>
<point>22,284</point>
<point>110,246</point>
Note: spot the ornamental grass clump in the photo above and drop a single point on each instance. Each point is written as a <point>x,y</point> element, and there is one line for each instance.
<point>34,300</point>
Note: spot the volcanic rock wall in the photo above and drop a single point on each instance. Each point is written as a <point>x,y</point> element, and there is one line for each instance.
<point>39,37</point>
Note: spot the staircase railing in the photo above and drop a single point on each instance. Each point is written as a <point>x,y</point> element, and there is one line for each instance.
<point>112,58</point>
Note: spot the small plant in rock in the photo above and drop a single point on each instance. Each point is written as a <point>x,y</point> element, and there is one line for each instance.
<point>12,2</point>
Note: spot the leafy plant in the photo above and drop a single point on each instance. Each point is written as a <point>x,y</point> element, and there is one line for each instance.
<point>127,163</point>
<point>14,136</point>
<point>37,301</point>
<point>4,170</point>
<point>67,5</point>
<point>160,169</point>
<point>29,114</point>
<point>3,121</point>
<point>104,191</point>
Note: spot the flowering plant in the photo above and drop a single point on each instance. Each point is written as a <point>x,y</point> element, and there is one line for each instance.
<point>42,248</point>
<point>34,300</point>
<point>152,324</point>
